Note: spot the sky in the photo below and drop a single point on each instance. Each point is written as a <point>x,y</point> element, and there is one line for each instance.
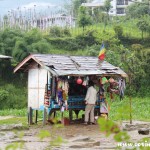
<point>8,5</point>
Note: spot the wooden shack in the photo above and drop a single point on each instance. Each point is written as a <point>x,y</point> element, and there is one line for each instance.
<point>44,72</point>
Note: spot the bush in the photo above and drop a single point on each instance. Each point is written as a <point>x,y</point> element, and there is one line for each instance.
<point>67,43</point>
<point>86,39</point>
<point>13,97</point>
<point>3,96</point>
<point>59,32</point>
<point>118,31</point>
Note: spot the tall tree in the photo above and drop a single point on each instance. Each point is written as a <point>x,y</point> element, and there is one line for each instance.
<point>143,26</point>
<point>73,6</point>
<point>107,6</point>
<point>84,18</point>
<point>138,9</point>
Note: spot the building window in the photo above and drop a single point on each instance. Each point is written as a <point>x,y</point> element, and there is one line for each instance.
<point>120,11</point>
<point>120,2</point>
<point>126,2</point>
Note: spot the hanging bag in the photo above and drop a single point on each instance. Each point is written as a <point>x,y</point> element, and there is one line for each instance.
<point>103,108</point>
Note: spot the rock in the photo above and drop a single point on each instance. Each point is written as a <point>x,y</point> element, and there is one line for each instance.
<point>82,139</point>
<point>143,131</point>
<point>13,127</point>
<point>131,127</point>
<point>96,144</point>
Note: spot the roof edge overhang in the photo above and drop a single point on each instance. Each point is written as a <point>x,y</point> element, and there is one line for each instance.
<point>85,72</point>
<point>109,72</point>
<point>37,61</point>
<point>25,61</point>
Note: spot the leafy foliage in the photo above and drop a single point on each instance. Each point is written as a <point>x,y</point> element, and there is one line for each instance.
<point>59,32</point>
<point>43,134</point>
<point>12,97</point>
<point>32,42</point>
<point>84,18</point>
<point>137,10</point>
<point>118,31</point>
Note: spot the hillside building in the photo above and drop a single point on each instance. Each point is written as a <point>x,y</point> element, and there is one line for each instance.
<point>118,6</point>
<point>61,20</point>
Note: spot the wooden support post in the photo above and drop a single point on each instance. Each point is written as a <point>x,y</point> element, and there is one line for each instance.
<point>30,115</point>
<point>36,116</point>
<point>130,110</point>
<point>54,114</point>
<point>44,116</point>
<point>70,114</point>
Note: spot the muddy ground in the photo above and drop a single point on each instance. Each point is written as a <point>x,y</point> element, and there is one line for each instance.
<point>75,136</point>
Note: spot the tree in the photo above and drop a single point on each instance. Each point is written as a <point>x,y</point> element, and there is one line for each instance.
<point>73,6</point>
<point>137,10</point>
<point>84,18</point>
<point>107,6</point>
<point>143,26</point>
<point>31,42</point>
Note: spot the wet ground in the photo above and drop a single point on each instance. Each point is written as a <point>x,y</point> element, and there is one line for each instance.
<point>75,136</point>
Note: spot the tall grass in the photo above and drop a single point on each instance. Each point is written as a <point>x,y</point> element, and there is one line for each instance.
<point>140,109</point>
<point>130,28</point>
<point>14,112</point>
<point>119,110</point>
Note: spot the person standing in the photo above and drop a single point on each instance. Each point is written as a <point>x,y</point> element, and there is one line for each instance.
<point>90,100</point>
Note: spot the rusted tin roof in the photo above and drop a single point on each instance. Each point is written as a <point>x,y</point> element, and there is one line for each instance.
<point>71,65</point>
<point>5,57</point>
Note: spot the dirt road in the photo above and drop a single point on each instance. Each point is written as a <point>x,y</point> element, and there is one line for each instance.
<point>75,136</point>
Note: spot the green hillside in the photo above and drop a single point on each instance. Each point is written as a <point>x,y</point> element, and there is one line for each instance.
<point>126,47</point>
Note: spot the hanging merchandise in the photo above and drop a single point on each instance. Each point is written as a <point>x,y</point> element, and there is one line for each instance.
<point>121,86</point>
<point>60,95</point>
<point>53,87</point>
<point>104,80</point>
<point>62,109</point>
<point>59,83</point>
<point>85,82</point>
<point>66,104</point>
<point>66,86</point>
<point>79,80</point>
<point>103,108</point>
<point>64,95</point>
<point>111,80</point>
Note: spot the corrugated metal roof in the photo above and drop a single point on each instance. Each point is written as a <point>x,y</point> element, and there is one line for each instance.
<point>73,65</point>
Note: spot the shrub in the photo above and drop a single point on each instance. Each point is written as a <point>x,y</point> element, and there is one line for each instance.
<point>3,95</point>
<point>12,97</point>
<point>118,30</point>
<point>59,32</point>
<point>86,39</point>
<point>67,43</point>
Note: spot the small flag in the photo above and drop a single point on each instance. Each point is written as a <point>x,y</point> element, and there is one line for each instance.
<point>101,55</point>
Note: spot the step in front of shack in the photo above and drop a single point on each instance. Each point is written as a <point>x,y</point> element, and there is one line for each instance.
<point>59,83</point>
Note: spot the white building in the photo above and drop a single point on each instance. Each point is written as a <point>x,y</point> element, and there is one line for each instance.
<point>60,20</point>
<point>118,6</point>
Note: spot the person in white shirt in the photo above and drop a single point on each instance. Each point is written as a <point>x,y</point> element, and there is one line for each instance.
<point>90,100</point>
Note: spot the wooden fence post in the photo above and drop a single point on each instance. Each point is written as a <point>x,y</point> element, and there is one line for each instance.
<point>44,116</point>
<point>30,115</point>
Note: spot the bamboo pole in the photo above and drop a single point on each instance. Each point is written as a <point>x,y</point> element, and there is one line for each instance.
<point>130,101</point>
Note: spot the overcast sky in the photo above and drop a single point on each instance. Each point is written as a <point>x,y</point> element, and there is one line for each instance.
<point>7,5</point>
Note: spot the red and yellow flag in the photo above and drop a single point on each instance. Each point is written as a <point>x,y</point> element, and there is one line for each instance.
<point>101,55</point>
